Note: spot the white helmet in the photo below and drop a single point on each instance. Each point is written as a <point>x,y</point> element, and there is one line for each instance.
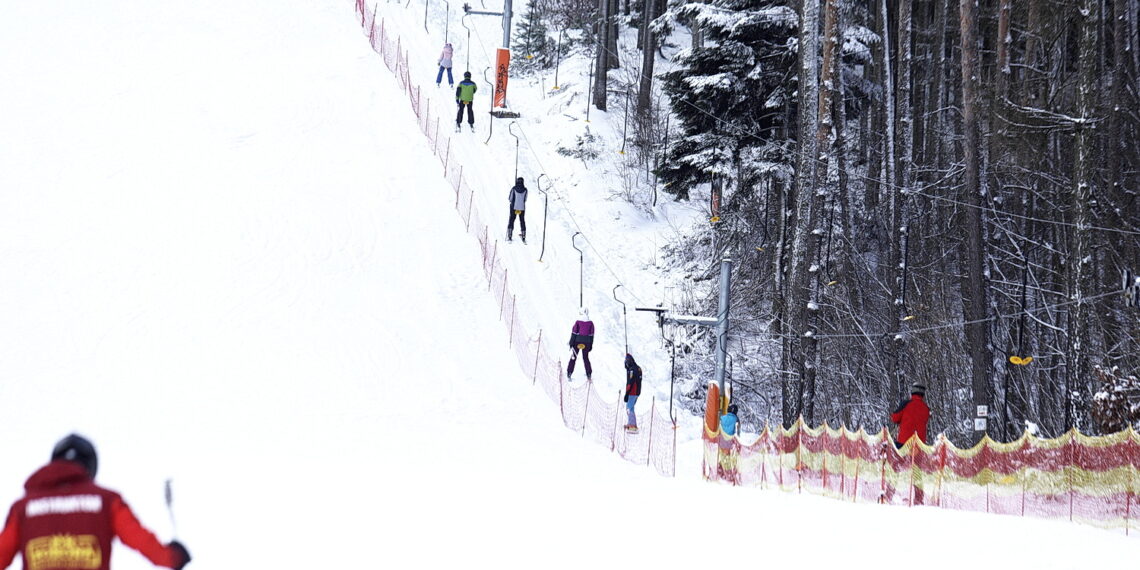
<point>582,312</point>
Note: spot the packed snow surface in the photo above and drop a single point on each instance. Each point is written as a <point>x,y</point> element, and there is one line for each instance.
<point>229,258</point>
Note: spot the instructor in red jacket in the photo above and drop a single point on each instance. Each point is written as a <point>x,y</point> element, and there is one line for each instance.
<point>912,415</point>
<point>67,522</point>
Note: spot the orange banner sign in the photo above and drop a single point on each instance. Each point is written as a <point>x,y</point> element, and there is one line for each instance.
<point>502,65</point>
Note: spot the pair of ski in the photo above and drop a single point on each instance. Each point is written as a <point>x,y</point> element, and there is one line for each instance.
<point>459,128</point>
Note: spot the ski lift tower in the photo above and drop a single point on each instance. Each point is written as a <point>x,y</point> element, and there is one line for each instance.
<point>502,60</point>
<point>719,322</point>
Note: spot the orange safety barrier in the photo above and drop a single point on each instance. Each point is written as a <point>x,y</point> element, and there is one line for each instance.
<point>583,408</point>
<point>1091,480</point>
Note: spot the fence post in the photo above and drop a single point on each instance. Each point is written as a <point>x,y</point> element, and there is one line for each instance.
<point>652,418</point>
<point>586,411</point>
<point>883,437</point>
<point>673,472</point>
<point>537,352</point>
<point>491,267</point>
<point>942,469</point>
<point>800,427</point>
<point>511,334</point>
<point>1134,445</point>
<point>914,470</point>
<point>470,204</point>
<point>617,418</point>
<point>1068,471</point>
<point>561,386</point>
<point>503,295</point>
<point>458,184</point>
<point>858,461</point>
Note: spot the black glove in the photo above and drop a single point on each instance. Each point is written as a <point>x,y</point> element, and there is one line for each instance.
<point>181,555</point>
<point>626,398</point>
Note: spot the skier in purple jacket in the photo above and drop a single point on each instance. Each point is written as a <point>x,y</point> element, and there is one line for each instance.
<point>581,339</point>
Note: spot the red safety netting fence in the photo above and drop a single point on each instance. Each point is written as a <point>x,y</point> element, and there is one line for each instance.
<point>1081,478</point>
<point>583,408</point>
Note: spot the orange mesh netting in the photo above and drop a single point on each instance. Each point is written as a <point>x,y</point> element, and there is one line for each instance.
<point>1076,477</point>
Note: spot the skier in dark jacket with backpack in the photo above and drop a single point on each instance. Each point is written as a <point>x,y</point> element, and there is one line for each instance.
<point>581,339</point>
<point>632,390</point>
<point>517,200</point>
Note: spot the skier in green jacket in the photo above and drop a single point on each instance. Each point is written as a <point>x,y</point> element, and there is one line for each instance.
<point>464,96</point>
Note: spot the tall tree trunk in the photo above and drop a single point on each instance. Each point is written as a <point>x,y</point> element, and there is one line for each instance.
<point>1078,266</point>
<point>803,239</point>
<point>905,182</point>
<point>1116,106</point>
<point>973,256</point>
<point>648,51</point>
<point>890,187</point>
<point>601,55</point>
<point>1003,41</point>
<point>612,60</point>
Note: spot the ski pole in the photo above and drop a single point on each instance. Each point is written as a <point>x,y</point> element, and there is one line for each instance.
<point>170,509</point>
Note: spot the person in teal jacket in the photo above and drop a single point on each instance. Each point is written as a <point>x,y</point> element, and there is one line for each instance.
<point>729,421</point>
<point>464,97</point>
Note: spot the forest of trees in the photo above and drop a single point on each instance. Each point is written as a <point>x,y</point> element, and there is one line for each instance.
<point>938,191</point>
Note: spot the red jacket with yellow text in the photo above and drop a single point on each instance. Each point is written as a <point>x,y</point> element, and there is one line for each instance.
<point>912,418</point>
<point>67,522</point>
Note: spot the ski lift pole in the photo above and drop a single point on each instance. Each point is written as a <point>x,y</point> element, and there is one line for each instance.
<point>512,133</point>
<point>581,264</point>
<point>446,19</point>
<point>672,376</point>
<point>545,203</point>
<point>467,47</point>
<point>625,321</point>
<point>169,496</point>
<point>491,112</point>
<point>426,4</point>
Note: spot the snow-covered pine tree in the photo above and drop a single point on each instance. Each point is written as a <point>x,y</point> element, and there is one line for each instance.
<point>531,48</point>
<point>731,95</point>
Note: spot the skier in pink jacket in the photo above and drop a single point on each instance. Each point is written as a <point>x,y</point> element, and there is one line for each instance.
<point>445,63</point>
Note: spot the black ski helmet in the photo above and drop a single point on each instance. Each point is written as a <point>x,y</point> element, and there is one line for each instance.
<point>519,181</point>
<point>78,449</point>
<point>467,75</point>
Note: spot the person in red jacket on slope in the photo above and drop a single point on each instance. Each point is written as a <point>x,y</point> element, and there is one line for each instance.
<point>912,416</point>
<point>67,522</point>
